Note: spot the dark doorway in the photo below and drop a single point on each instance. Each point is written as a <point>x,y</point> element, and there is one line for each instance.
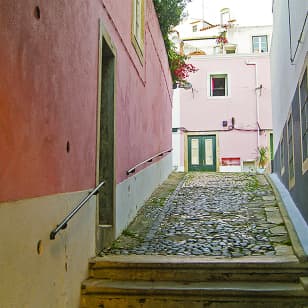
<point>106,132</point>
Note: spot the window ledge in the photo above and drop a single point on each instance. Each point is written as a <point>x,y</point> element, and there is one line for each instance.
<point>218,97</point>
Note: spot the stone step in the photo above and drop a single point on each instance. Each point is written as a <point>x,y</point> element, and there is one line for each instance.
<point>110,293</point>
<point>195,269</point>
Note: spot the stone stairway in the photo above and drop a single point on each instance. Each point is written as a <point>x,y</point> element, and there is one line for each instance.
<point>194,282</point>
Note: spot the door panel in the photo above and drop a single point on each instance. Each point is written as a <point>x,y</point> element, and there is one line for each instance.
<point>209,152</point>
<point>195,151</point>
<point>201,153</point>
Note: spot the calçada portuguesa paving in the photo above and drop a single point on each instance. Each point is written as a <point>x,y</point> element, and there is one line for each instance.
<point>208,214</point>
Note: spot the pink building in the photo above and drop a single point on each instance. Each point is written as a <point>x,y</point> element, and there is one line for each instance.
<point>85,98</point>
<point>221,122</point>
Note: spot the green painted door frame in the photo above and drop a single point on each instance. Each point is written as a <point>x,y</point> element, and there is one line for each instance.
<point>202,153</point>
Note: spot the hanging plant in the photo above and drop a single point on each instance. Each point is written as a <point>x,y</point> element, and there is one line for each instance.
<point>169,13</point>
<point>221,39</point>
<point>180,70</point>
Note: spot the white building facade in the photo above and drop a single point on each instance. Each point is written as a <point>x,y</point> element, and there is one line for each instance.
<point>289,65</point>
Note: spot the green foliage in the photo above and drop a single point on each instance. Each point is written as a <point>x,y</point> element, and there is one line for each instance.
<point>130,233</point>
<point>169,13</point>
<point>262,156</point>
<point>175,60</point>
<point>253,184</point>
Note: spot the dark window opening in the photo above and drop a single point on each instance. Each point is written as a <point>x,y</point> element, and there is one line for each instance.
<point>219,85</point>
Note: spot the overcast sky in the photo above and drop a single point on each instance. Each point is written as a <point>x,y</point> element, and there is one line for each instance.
<point>246,12</point>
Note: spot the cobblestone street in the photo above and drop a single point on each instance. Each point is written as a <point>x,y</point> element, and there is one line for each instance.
<point>209,214</point>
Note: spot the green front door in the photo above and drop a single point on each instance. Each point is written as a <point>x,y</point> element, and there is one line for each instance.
<point>201,153</point>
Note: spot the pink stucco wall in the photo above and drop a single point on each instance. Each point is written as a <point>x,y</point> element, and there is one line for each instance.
<point>200,112</point>
<point>48,94</point>
<point>144,116</point>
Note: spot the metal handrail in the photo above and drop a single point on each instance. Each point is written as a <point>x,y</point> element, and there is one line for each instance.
<point>149,160</point>
<point>63,224</point>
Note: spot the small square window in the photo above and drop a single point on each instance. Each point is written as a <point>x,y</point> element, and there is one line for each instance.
<point>259,43</point>
<point>219,85</point>
<point>195,28</point>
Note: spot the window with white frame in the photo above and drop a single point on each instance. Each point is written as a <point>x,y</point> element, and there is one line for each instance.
<point>138,26</point>
<point>219,85</point>
<point>259,43</point>
<point>303,96</point>
<point>194,28</point>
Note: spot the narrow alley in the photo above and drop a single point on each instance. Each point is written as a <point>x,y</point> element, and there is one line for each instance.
<point>154,154</point>
<point>209,214</point>
<point>216,240</point>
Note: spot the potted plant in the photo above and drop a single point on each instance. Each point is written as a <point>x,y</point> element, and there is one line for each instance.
<point>262,159</point>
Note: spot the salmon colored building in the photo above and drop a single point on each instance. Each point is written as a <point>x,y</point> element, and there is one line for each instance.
<point>85,98</point>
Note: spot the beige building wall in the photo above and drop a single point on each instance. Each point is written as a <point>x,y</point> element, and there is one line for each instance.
<point>35,271</point>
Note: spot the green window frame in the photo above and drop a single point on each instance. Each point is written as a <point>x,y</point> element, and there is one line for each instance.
<point>272,145</point>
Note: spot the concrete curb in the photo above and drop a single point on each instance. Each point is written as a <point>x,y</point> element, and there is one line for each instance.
<point>297,243</point>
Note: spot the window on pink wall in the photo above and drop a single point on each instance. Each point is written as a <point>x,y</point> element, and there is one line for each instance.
<point>219,85</point>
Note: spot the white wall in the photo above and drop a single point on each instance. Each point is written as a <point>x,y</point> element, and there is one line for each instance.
<point>176,145</point>
<point>242,36</point>
<point>284,74</point>
<point>246,12</point>
<point>176,108</point>
<point>176,136</point>
<point>131,193</point>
